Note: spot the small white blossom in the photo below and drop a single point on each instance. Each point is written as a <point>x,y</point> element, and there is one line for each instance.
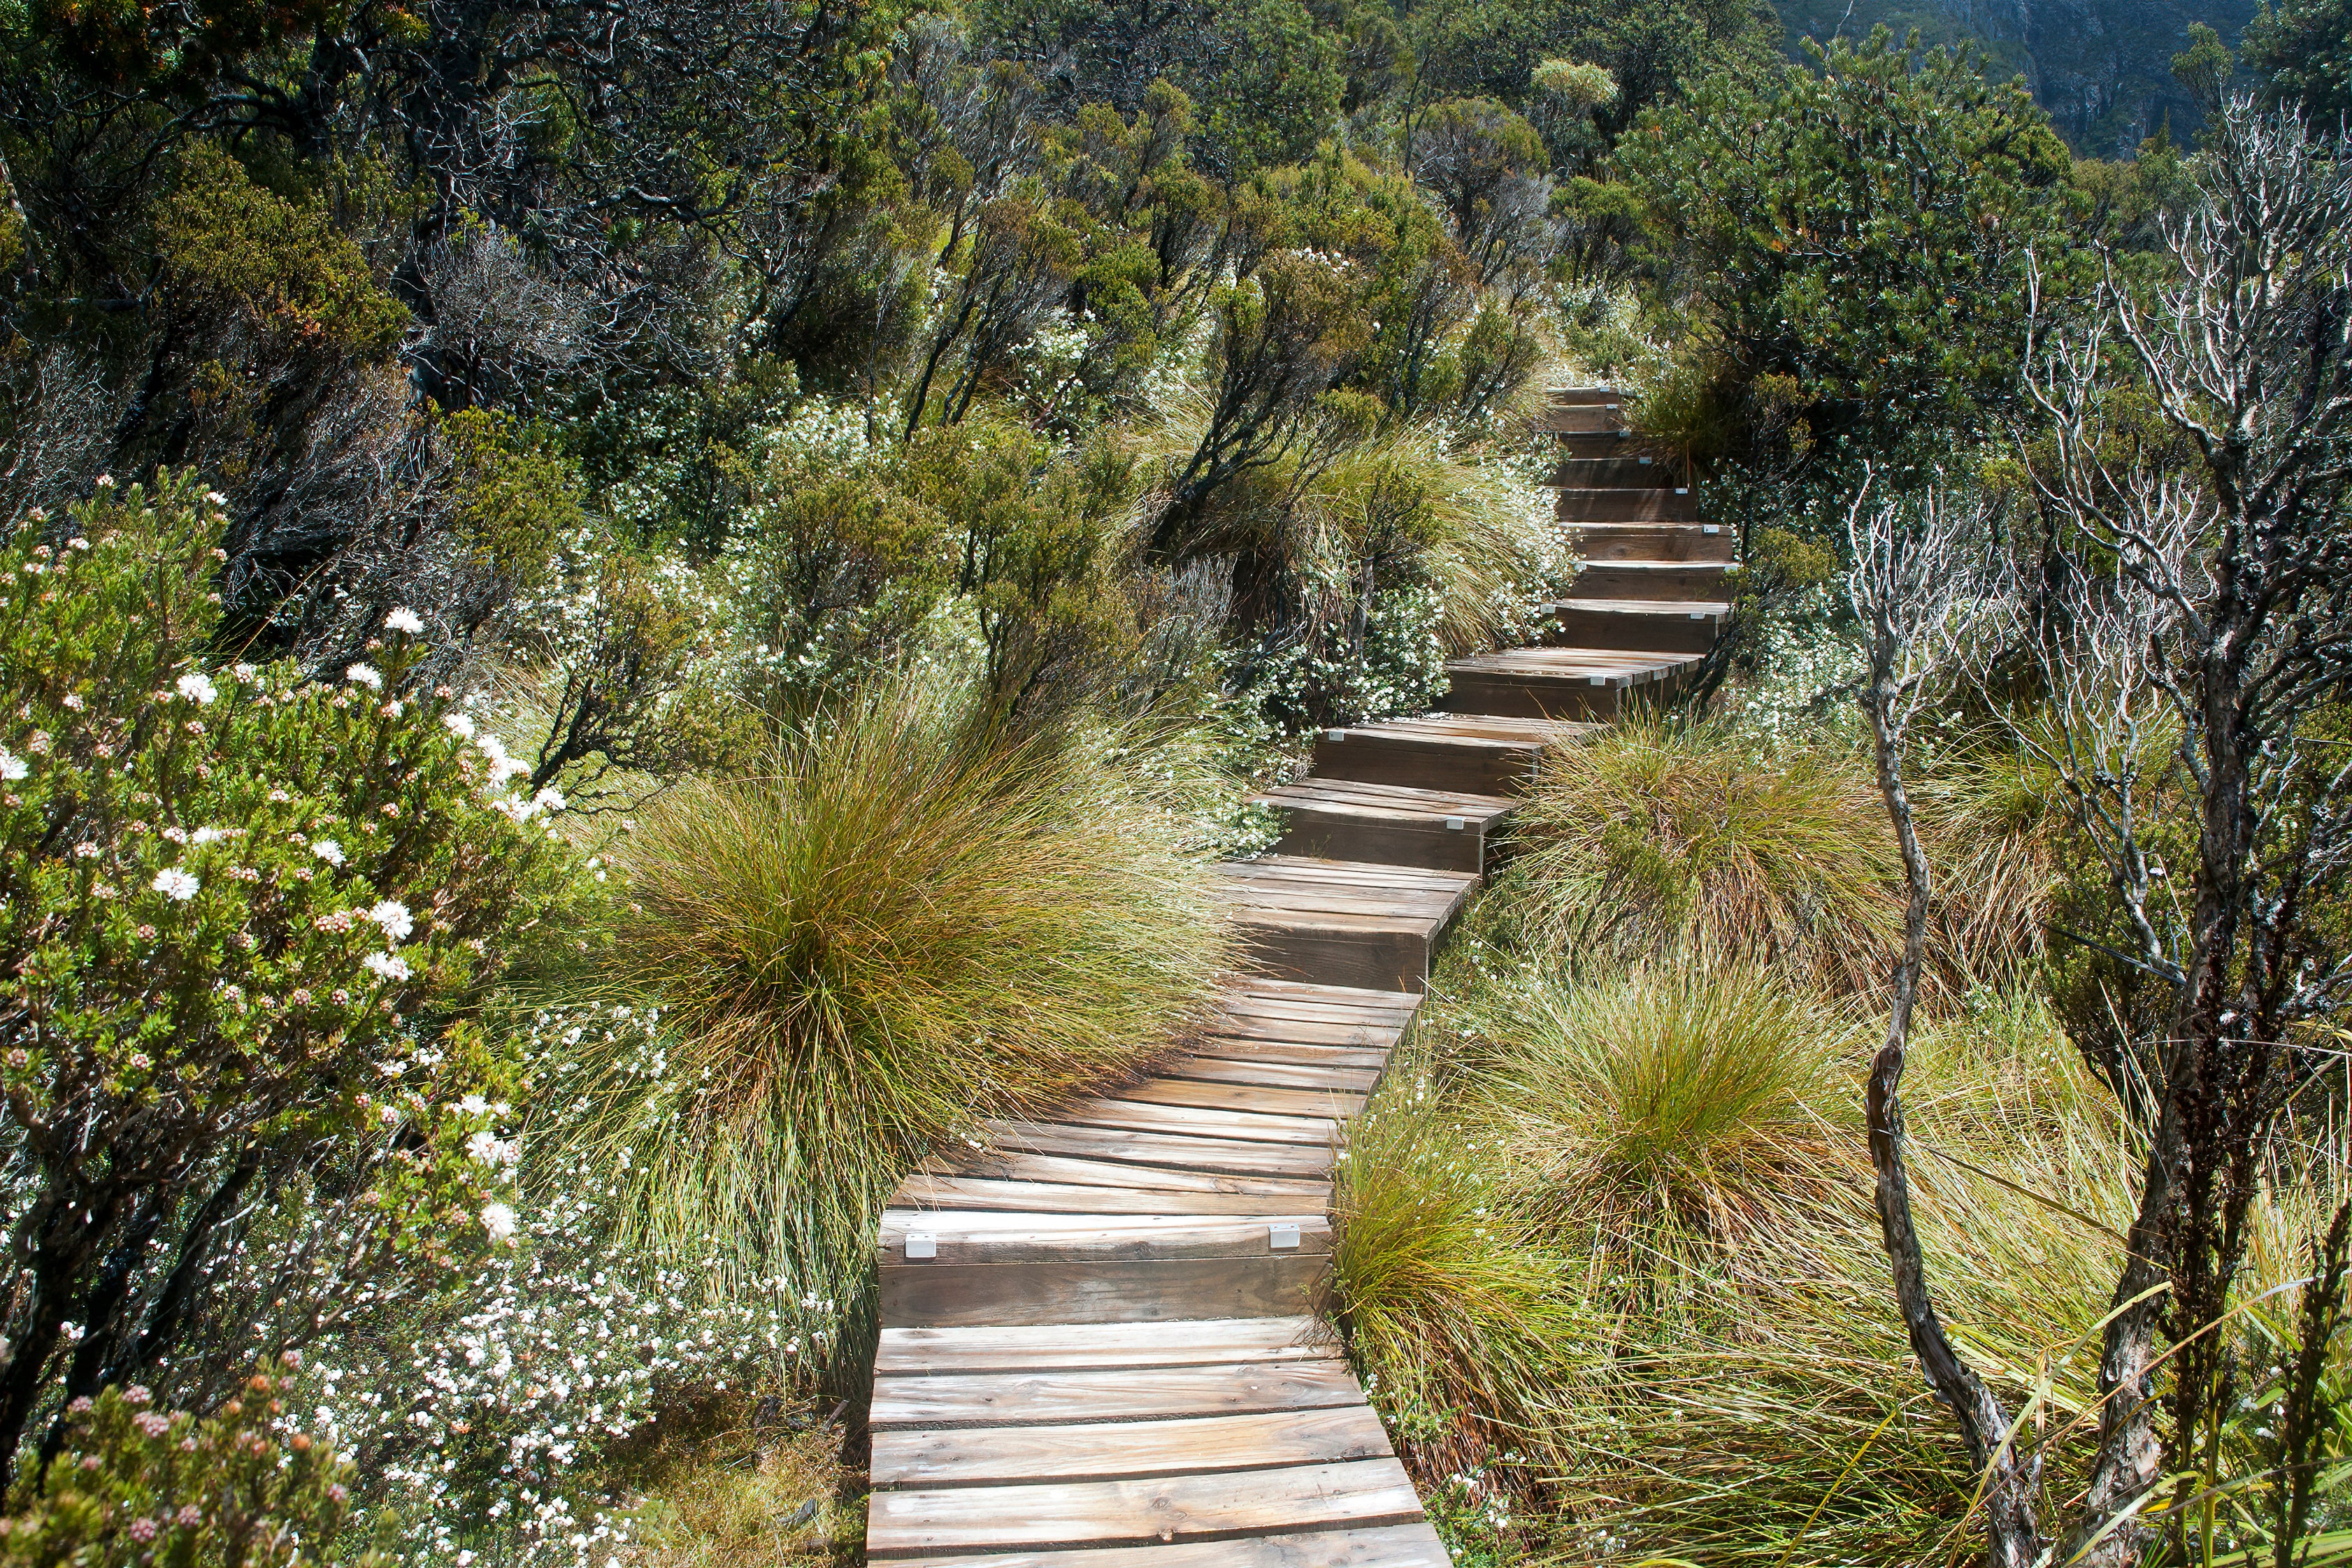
<point>13,767</point>
<point>387,965</point>
<point>365,675</point>
<point>394,916</point>
<point>499,1222</point>
<point>458,723</point>
<point>404,620</point>
<point>175,884</point>
<point>329,851</point>
<point>548,799</point>
<point>197,688</point>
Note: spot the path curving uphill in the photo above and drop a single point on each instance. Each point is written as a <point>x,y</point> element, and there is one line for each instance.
<point>1099,1347</point>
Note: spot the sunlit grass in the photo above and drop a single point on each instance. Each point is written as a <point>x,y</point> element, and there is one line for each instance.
<point>902,925</point>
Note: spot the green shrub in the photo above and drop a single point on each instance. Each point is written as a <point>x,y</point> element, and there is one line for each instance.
<point>239,911</point>
<point>1700,1101</point>
<point>1652,840</point>
<point>135,1485</point>
<point>906,924</point>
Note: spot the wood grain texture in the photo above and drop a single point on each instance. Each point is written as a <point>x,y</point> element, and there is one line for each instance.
<point>1275,1284</point>
<point>1380,1546</point>
<point>1109,1393</point>
<point>1114,1450</point>
<point>1138,1512</point>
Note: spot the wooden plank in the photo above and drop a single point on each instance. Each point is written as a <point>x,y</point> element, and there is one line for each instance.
<point>937,1400</point>
<point>1329,1101</point>
<point>1303,1031</point>
<point>990,1236</point>
<point>1163,1150</point>
<point>922,1192</point>
<point>1277,1285</point>
<point>1377,1546</point>
<point>1012,1165</point>
<point>1138,1512</point>
<point>1316,1131</point>
<point>1320,995</point>
<point>1220,1057</point>
<point>1105,1450</point>
<point>908,1352</point>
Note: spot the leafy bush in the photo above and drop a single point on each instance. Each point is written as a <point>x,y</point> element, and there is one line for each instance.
<point>239,911</point>
<point>136,1485</point>
<point>1652,840</point>
<point>906,923</point>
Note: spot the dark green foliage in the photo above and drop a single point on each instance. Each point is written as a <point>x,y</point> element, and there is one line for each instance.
<point>2302,51</point>
<point>1863,231</point>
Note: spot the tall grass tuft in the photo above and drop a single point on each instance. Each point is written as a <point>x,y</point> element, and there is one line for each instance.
<point>1670,1104</point>
<point>903,924</point>
<point>1457,1313</point>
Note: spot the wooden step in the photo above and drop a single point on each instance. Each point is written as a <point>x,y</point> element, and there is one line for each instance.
<point>1621,444</point>
<point>1655,542</point>
<point>1385,1546</point>
<point>1349,923</point>
<point>1677,581</point>
<point>1586,419</point>
<point>1562,682</point>
<point>1673,504</point>
<point>1474,753</point>
<point>1643,472</point>
<point>1583,397</point>
<point>1648,625</point>
<point>1340,819</point>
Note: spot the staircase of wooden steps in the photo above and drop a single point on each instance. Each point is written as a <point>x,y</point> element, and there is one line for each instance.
<point>1101,1344</point>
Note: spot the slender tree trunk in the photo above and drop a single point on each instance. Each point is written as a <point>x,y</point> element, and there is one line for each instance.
<point>2012,1534</point>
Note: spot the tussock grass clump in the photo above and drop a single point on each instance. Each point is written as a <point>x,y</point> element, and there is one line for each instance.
<point>1457,1313</point>
<point>1652,840</point>
<point>904,924</point>
<point>1700,1098</point>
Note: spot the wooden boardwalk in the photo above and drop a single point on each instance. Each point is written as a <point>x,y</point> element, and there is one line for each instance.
<point>1103,1341</point>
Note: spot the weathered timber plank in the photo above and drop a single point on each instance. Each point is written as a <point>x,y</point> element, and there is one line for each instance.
<point>1057,1397</point>
<point>935,1295</point>
<point>1165,1150</point>
<point>1333,1099</point>
<point>1137,1512</point>
<point>923,1192</point>
<point>989,1235</point>
<point>1378,1546</point>
<point>909,1351</point>
<point>1233,1058</point>
<point>1108,1450</point>
<point>1011,1164</point>
<point>1250,1126</point>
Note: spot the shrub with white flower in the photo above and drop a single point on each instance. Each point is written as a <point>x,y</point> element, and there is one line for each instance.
<point>197,985</point>
<point>477,1412</point>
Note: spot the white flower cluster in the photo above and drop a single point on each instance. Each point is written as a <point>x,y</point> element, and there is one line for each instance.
<point>475,1417</point>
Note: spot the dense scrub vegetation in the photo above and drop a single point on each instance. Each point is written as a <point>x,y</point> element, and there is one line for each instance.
<point>620,622</point>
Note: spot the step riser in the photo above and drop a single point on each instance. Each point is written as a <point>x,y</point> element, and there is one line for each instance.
<point>1366,760</point>
<point>1307,832</point>
<point>1572,628</point>
<point>1388,961</point>
<point>1662,541</point>
<point>1013,1295</point>
<point>1598,419</point>
<point>1620,445</point>
<point>1671,505</point>
<point>1615,474</point>
<point>1703,582</point>
<point>1585,397</point>
<point>1511,698</point>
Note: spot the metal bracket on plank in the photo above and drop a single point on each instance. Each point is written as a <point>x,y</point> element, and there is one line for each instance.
<point>1455,824</point>
<point>921,1244</point>
<point>1282,1237</point>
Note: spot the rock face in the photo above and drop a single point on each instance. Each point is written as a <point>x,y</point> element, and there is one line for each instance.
<point>2102,68</point>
